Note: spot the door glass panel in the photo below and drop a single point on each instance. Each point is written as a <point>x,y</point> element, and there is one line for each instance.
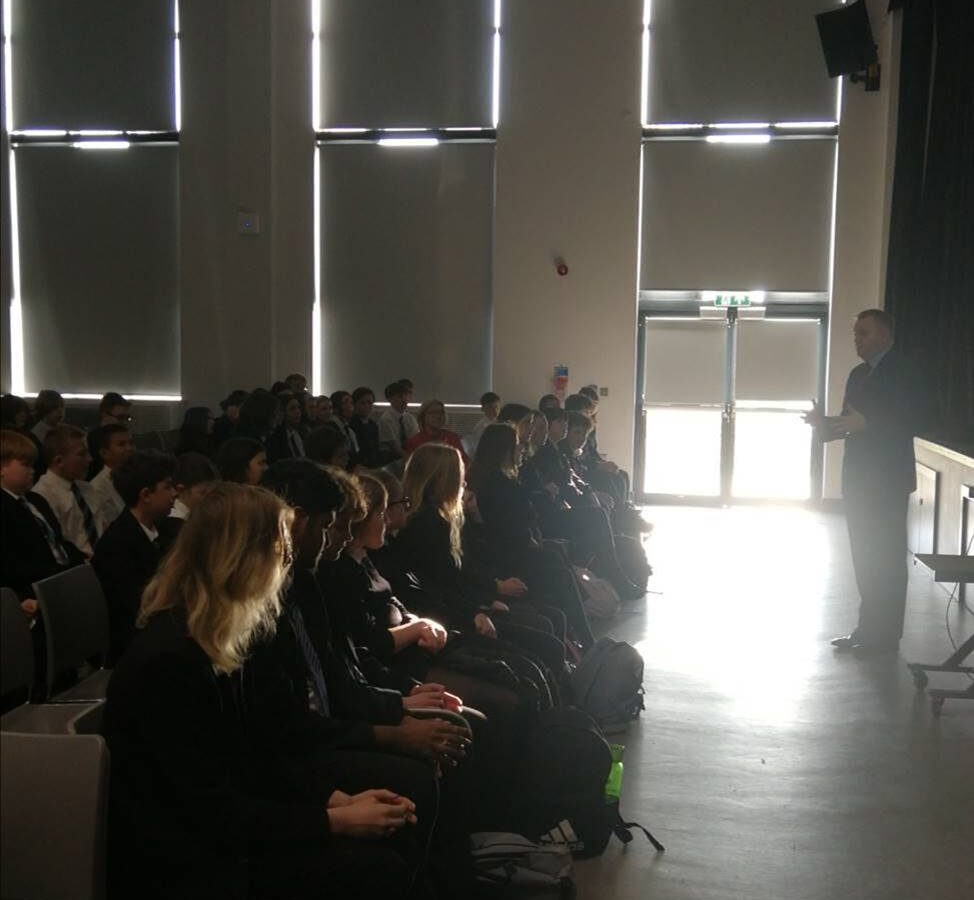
<point>682,451</point>
<point>772,454</point>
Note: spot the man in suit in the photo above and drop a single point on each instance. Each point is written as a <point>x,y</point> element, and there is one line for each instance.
<point>129,552</point>
<point>33,546</point>
<point>879,414</point>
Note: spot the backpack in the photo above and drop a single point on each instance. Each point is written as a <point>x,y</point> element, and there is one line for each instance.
<point>598,596</point>
<point>561,778</point>
<point>632,559</point>
<point>510,866</point>
<point>608,684</point>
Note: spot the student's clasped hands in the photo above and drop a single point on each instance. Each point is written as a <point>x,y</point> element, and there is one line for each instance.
<point>370,814</point>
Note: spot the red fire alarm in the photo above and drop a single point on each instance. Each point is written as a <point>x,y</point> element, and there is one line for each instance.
<point>561,267</point>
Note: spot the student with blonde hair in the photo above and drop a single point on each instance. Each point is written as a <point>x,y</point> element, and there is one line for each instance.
<point>195,811</point>
<point>432,428</point>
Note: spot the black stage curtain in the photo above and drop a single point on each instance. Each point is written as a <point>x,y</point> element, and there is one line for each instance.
<point>930,271</point>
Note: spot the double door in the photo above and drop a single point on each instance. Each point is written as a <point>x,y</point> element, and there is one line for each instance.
<point>720,406</point>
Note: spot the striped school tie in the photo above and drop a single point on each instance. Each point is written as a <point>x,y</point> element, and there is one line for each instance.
<point>87,516</point>
<point>310,658</point>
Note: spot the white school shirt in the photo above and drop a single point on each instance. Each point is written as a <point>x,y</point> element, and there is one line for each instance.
<point>179,510</point>
<point>389,427</point>
<point>107,505</point>
<point>57,492</point>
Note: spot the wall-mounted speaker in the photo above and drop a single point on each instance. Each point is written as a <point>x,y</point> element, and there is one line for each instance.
<point>847,39</point>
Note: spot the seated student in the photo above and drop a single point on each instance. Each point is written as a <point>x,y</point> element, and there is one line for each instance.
<point>287,440</point>
<point>512,531</point>
<point>71,499</point>
<point>48,413</point>
<point>309,404</point>
<point>114,446</point>
<point>548,402</point>
<point>196,432</point>
<point>15,416</point>
<point>296,383</point>
<point>113,409</point>
<point>33,546</point>
<point>225,425</point>
<point>194,476</point>
<point>242,460</point>
<point>397,424</point>
<point>432,419</point>
<point>128,553</point>
<point>193,811</point>
<point>521,417</point>
<point>341,418</point>
<point>259,415</point>
<point>323,405</point>
<point>490,406</point>
<point>431,545</point>
<point>367,429</point>
<point>328,446</point>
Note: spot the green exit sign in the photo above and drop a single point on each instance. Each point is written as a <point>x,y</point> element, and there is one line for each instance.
<point>733,298</point>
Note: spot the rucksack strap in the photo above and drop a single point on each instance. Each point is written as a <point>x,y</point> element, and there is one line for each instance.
<point>622,830</point>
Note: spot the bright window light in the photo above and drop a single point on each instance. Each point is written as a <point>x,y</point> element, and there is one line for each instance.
<point>17,367</point>
<point>738,138</point>
<point>739,126</point>
<point>800,126</point>
<point>317,375</point>
<point>8,66</point>
<point>101,145</point>
<point>177,75</point>
<point>408,142</point>
<point>644,81</point>
<point>316,65</point>
<point>496,73</point>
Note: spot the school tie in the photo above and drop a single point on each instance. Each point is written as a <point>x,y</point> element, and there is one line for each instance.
<point>58,551</point>
<point>86,515</point>
<point>310,658</point>
<point>295,450</point>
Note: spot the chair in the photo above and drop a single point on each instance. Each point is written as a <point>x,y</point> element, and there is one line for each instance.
<point>75,615</point>
<point>54,793</point>
<point>16,647</point>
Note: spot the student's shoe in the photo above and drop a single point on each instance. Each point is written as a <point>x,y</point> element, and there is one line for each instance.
<point>847,642</point>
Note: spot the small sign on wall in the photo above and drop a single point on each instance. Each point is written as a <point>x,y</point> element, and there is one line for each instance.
<point>560,382</point>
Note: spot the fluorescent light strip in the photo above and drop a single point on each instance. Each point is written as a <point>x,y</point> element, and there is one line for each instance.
<point>345,130</point>
<point>8,66</point>
<point>804,125</point>
<point>17,366</point>
<point>138,398</point>
<point>177,71</point>
<point>96,132</point>
<point>39,132</point>
<point>316,65</point>
<point>675,126</point>
<point>408,142</point>
<point>317,376</point>
<point>496,73</point>
<point>101,145</point>
<point>738,138</point>
<point>739,126</point>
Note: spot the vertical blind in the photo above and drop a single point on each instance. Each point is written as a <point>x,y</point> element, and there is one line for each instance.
<point>685,361</point>
<point>777,359</point>
<point>406,63</point>
<point>743,61</point>
<point>98,249</point>
<point>93,64</point>
<point>406,249</point>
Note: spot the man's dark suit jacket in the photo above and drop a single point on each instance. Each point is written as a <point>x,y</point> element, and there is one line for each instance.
<point>125,560</point>
<point>880,458</point>
<point>25,556</point>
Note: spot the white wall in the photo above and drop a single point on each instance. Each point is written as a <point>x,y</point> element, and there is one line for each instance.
<point>867,137</point>
<point>568,185</point>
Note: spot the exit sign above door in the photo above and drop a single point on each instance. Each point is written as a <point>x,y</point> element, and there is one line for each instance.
<point>732,298</point>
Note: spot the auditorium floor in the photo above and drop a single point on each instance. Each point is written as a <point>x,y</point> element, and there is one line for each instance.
<point>770,767</point>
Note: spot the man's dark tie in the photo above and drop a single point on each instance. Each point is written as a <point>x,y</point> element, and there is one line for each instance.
<point>310,658</point>
<point>295,450</point>
<point>87,516</point>
<point>57,550</point>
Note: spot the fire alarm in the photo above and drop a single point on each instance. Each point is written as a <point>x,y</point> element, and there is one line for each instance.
<point>561,267</point>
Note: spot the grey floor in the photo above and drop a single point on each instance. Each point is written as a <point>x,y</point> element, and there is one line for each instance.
<point>769,766</point>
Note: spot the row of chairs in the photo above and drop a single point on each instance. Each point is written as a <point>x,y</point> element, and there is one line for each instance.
<point>53,760</point>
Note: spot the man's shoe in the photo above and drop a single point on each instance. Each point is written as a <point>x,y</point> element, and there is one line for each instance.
<point>847,642</point>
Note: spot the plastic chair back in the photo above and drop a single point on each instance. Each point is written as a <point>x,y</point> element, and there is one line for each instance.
<point>16,646</point>
<point>54,793</point>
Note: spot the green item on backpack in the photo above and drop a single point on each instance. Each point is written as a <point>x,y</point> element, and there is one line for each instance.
<point>613,784</point>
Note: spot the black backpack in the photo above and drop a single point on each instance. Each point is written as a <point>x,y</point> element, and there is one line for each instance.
<point>608,684</point>
<point>560,791</point>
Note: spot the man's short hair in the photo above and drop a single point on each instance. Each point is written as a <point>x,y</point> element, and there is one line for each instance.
<point>591,391</point>
<point>14,445</point>
<point>102,436</point>
<point>554,414</point>
<point>58,441</point>
<point>407,384</point>
<point>395,389</point>
<point>578,403</point>
<point>47,401</point>
<point>360,392</point>
<point>878,315</point>
<point>110,400</point>
<point>322,443</point>
<point>143,469</point>
<point>303,483</point>
<point>579,420</point>
<point>194,468</point>
<point>489,397</point>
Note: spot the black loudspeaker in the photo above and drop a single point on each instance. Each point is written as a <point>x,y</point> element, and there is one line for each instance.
<point>847,39</point>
